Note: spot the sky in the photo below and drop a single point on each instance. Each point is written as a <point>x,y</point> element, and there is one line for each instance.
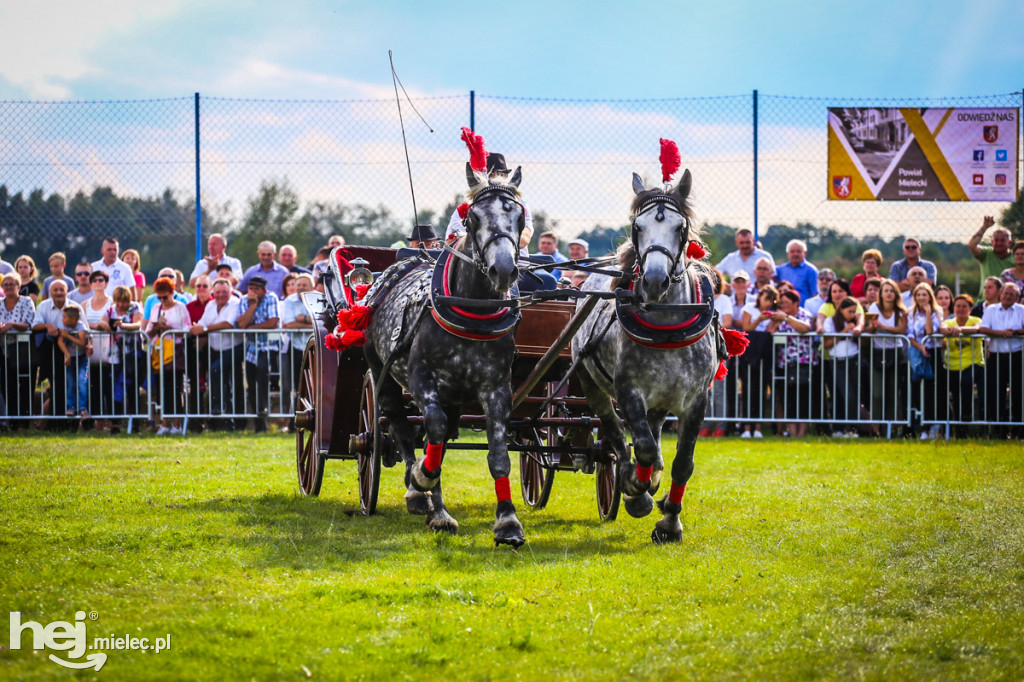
<point>119,49</point>
<point>570,89</point>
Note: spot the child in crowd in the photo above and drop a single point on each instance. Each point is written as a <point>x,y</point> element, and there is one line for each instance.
<point>844,373</point>
<point>73,342</point>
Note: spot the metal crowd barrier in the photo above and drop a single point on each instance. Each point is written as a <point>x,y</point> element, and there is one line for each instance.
<point>109,383</point>
<point>229,376</point>
<point>871,388</point>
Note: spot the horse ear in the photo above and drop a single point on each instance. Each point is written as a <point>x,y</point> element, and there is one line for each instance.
<point>683,188</point>
<point>517,177</point>
<point>638,184</point>
<point>473,177</point>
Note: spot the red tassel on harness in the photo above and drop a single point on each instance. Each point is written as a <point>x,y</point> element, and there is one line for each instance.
<point>350,338</point>
<point>722,372</point>
<point>463,210</point>
<point>695,250</point>
<point>736,342</point>
<point>355,318</point>
<point>477,153</point>
<point>361,290</point>
<point>670,159</point>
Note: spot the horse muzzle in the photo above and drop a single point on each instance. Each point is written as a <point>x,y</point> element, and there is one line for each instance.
<point>502,274</point>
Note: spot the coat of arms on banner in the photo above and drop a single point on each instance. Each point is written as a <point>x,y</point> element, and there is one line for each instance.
<point>842,185</point>
<point>991,133</point>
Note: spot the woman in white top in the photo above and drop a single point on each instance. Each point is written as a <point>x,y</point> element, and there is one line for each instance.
<point>923,322</point>
<point>169,358</point>
<point>888,316</point>
<point>101,375</point>
<point>843,365</point>
<point>717,401</point>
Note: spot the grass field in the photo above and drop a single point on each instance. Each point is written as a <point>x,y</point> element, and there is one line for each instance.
<point>800,560</point>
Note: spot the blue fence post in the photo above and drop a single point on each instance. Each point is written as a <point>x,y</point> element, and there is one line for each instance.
<point>755,168</point>
<point>199,210</point>
<point>472,110</point>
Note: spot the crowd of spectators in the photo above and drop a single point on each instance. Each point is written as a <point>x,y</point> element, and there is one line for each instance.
<point>822,349</point>
<point>76,346</point>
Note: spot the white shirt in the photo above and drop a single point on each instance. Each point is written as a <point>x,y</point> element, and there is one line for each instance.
<point>908,299</point>
<point>844,347</point>
<point>751,309</point>
<point>737,309</point>
<point>118,275</point>
<point>884,341</point>
<point>211,316</point>
<point>177,318</point>
<point>203,268</point>
<point>735,261</point>
<point>999,318</point>
<point>48,313</point>
<point>724,307</point>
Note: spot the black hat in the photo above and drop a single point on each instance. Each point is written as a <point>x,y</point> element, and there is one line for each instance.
<point>423,233</point>
<point>259,282</point>
<point>496,162</point>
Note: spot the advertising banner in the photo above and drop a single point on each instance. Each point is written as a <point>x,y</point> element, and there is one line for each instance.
<point>939,154</point>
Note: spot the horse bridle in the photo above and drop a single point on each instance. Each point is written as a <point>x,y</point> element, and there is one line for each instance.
<point>663,203</point>
<point>508,194</point>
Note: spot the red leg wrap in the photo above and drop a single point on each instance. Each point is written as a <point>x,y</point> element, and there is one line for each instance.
<point>675,495</point>
<point>644,473</point>
<point>435,455</point>
<point>502,489</point>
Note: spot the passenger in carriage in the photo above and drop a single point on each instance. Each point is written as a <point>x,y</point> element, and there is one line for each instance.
<point>538,279</point>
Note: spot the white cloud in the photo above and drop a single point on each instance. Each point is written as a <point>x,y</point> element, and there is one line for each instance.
<point>48,43</point>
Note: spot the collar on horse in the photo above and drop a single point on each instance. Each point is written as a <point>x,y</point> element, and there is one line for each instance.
<point>451,314</point>
<point>695,322</point>
<point>662,203</point>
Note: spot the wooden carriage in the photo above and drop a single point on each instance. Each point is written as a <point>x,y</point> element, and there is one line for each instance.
<point>336,416</point>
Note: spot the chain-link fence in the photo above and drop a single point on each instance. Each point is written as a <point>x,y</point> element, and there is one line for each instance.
<point>73,172</point>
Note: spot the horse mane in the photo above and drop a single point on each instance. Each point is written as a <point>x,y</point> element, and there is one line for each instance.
<point>626,255</point>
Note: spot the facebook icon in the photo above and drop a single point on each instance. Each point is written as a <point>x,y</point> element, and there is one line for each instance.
<point>979,154</point>
<point>1000,155</point>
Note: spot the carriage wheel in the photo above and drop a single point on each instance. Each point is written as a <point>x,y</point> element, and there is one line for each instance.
<point>608,494</point>
<point>369,459</point>
<point>309,462</point>
<point>534,480</point>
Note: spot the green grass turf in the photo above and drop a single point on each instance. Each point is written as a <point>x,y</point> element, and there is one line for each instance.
<point>800,560</point>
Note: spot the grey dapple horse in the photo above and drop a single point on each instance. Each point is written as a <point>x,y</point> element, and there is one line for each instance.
<point>454,355</point>
<point>652,361</point>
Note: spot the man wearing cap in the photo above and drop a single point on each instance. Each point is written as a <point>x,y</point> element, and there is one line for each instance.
<point>740,296</point>
<point>268,269</point>
<point>578,249</point>
<point>745,256</point>
<point>423,236</point>
<point>258,309</point>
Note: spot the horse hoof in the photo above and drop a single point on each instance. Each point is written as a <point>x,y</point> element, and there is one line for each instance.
<point>508,531</point>
<point>638,506</point>
<point>660,536</point>
<point>418,503</point>
<point>442,522</point>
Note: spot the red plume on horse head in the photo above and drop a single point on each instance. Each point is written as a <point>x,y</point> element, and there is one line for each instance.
<point>477,153</point>
<point>670,159</point>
